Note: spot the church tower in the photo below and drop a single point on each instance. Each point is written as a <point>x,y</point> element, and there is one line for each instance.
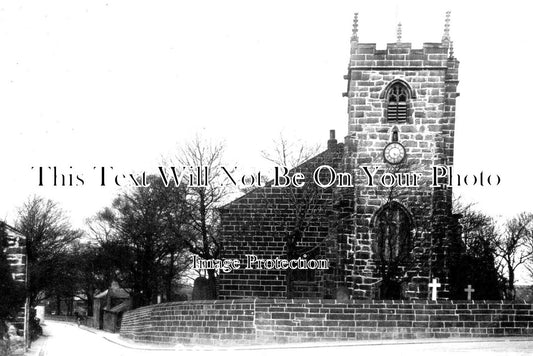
<point>401,107</point>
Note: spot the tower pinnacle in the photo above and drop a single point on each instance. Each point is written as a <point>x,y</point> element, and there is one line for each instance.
<point>355,37</point>
<point>399,33</point>
<point>446,37</point>
<point>451,49</point>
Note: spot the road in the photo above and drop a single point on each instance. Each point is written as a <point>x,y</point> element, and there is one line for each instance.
<point>66,339</point>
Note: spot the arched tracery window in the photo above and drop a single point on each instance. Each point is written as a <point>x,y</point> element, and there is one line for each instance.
<point>393,240</point>
<point>397,102</point>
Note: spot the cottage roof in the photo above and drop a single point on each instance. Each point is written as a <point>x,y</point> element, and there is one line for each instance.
<point>324,156</point>
<point>126,305</point>
<point>11,230</point>
<point>118,293</point>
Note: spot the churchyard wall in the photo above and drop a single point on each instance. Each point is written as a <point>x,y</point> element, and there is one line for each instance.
<point>263,321</point>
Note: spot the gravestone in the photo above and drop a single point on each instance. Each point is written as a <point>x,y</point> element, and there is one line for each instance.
<point>342,294</point>
<point>469,290</point>
<point>434,288</point>
<point>203,289</point>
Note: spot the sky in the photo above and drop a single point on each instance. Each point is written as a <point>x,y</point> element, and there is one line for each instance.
<point>124,83</point>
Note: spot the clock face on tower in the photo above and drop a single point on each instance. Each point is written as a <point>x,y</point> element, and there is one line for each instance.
<point>394,153</point>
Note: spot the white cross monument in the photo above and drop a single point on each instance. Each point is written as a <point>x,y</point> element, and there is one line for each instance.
<point>469,292</point>
<point>434,285</point>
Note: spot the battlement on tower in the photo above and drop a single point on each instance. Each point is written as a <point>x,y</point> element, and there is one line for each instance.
<point>401,55</point>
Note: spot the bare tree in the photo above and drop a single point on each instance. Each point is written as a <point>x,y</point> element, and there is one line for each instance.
<point>529,263</point>
<point>296,210</point>
<point>289,153</point>
<point>477,261</point>
<point>514,248</point>
<point>146,226</point>
<point>49,235</point>
<point>204,197</point>
<point>304,203</point>
<point>100,225</point>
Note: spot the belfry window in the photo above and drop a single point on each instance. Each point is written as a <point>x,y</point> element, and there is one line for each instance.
<point>397,102</point>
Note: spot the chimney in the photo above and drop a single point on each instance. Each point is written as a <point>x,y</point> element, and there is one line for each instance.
<point>332,142</point>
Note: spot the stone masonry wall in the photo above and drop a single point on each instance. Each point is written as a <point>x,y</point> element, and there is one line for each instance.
<point>258,224</point>
<point>301,320</point>
<point>16,252</point>
<point>16,257</point>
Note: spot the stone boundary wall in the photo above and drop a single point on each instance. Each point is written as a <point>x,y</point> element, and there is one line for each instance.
<point>262,321</point>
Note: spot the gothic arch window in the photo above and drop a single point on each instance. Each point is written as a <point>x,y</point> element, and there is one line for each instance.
<point>397,103</point>
<point>397,95</point>
<point>393,241</point>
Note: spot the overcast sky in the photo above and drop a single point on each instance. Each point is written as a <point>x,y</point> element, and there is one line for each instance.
<point>105,83</point>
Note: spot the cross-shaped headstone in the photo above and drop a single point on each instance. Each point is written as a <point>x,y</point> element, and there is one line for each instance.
<point>434,285</point>
<point>469,291</point>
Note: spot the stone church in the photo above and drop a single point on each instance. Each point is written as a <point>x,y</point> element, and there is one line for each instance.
<point>385,239</point>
